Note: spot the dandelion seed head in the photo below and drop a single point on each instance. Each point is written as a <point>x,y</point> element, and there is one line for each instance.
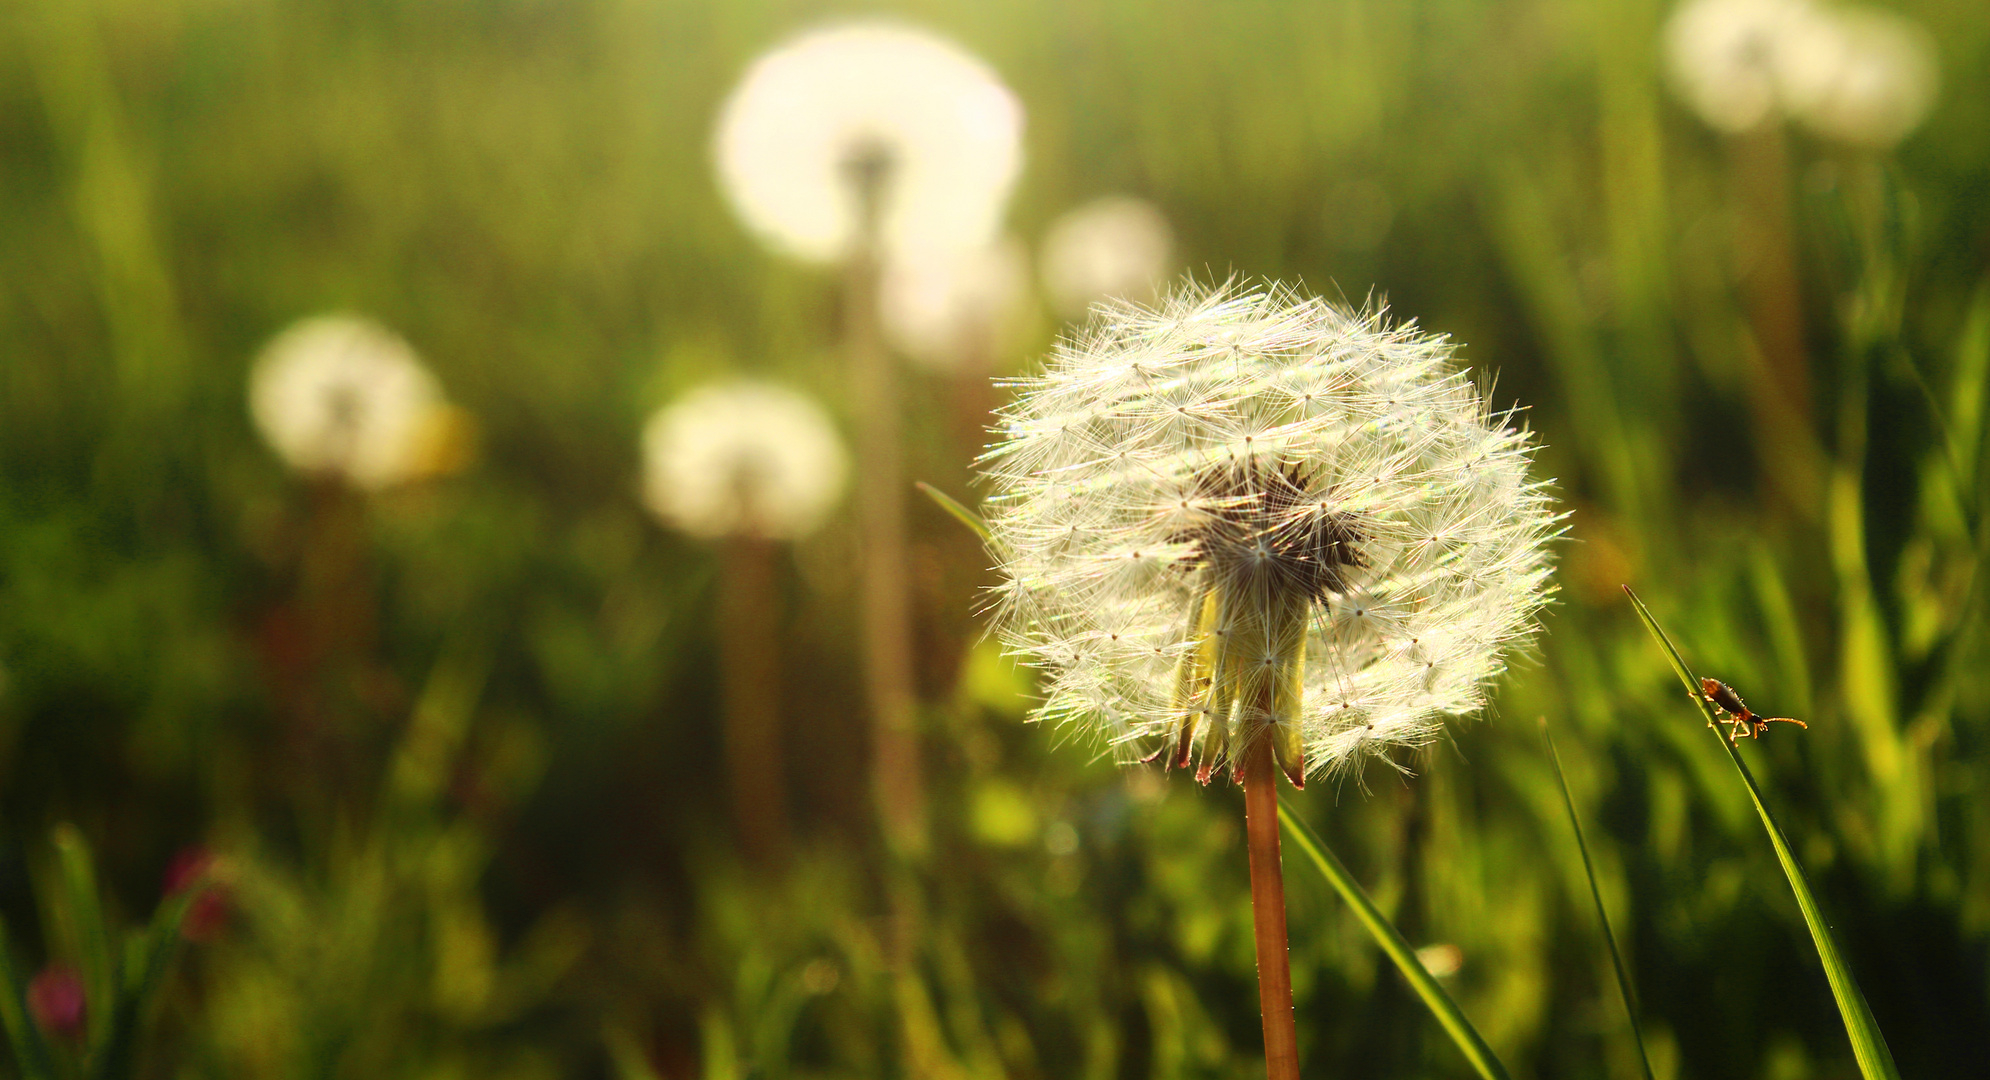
<point>344,396</point>
<point>1863,76</point>
<point>1726,57</point>
<point>1856,74</point>
<point>936,124</point>
<point>1251,487</point>
<point>1117,246</point>
<point>943,306</point>
<point>743,457</point>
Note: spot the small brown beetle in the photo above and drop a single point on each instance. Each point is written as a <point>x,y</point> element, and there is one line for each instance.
<point>1743,722</point>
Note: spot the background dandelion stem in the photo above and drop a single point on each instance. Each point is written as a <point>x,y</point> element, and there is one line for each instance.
<point>1868,1044</point>
<point>896,781</point>
<point>748,655</point>
<point>1779,380</point>
<point>1281,1046</point>
<point>1448,1014</point>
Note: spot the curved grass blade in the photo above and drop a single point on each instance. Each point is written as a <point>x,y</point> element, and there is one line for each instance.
<point>1868,1045</point>
<point>958,509</point>
<point>1440,1004</point>
<point>1602,916</point>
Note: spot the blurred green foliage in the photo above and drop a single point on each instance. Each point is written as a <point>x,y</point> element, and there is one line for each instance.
<point>455,742</point>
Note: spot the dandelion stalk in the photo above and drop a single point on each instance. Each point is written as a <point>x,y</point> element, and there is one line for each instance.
<point>1868,1044</point>
<point>1281,1040</point>
<point>896,781</point>
<point>1779,394</point>
<point>750,676</point>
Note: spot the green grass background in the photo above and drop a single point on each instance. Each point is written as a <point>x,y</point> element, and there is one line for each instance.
<point>471,785</point>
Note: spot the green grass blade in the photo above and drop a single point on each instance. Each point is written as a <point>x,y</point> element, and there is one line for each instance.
<point>1868,1045</point>
<point>1595,893</point>
<point>116,1058</point>
<point>959,510</point>
<point>83,907</point>
<point>1440,1004</point>
<point>30,1052</point>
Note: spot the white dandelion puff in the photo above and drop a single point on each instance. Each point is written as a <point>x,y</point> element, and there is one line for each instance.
<point>941,307</point>
<point>1859,75</point>
<point>343,396</point>
<point>879,94</point>
<point>1117,246</point>
<point>743,458</point>
<point>1862,76</point>
<point>1727,58</point>
<point>1247,513</point>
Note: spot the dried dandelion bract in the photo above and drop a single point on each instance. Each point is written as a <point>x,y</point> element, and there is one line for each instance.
<point>1248,513</point>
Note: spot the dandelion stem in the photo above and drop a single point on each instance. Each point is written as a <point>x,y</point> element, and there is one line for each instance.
<point>748,658</point>
<point>1780,384</point>
<point>1281,1044</point>
<point>896,784</point>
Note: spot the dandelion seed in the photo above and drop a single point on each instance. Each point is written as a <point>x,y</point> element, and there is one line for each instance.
<point>937,123</point>
<point>1117,246</point>
<point>343,396</point>
<point>1337,539</point>
<point>743,458</point>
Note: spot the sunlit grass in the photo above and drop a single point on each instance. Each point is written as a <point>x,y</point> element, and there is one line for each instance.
<point>1868,1045</point>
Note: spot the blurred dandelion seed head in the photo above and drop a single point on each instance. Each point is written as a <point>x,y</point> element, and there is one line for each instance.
<point>1863,76</point>
<point>1117,246</point>
<point>1855,74</point>
<point>1725,57</point>
<point>743,458</point>
<point>344,396</point>
<point>940,306</point>
<point>1309,509</point>
<point>931,127</point>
